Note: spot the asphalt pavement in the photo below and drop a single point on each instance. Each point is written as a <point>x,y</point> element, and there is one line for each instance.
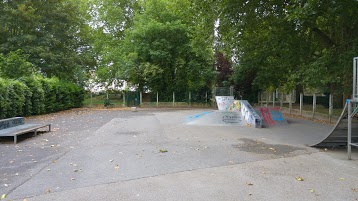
<point>155,155</point>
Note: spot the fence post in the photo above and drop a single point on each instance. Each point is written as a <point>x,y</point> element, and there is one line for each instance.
<point>258,98</point>
<point>189,97</point>
<point>173,98</point>
<point>140,98</point>
<point>124,99</point>
<point>281,100</point>
<point>91,99</point>
<point>267,98</point>
<point>301,103</point>
<point>290,103</point>
<point>273,99</point>
<point>206,97</point>
<point>330,107</point>
<point>157,98</point>
<point>314,105</point>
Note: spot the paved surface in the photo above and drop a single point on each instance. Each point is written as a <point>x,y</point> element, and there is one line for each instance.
<point>154,155</point>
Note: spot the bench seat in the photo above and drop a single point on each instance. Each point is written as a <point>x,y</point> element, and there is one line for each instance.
<point>22,129</point>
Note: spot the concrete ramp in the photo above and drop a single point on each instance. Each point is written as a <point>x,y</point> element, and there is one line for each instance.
<point>231,112</point>
<point>338,135</point>
<point>271,117</point>
<point>216,118</point>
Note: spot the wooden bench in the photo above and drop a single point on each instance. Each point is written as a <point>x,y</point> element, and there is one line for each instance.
<point>15,126</point>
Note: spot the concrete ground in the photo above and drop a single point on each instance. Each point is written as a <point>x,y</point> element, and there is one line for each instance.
<point>155,155</point>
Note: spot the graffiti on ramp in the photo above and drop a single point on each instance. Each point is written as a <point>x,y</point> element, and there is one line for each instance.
<point>272,117</point>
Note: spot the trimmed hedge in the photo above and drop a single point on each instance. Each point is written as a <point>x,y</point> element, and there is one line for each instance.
<point>37,95</point>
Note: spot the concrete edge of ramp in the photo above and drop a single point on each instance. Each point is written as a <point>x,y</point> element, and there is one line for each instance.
<point>250,115</point>
<point>339,133</point>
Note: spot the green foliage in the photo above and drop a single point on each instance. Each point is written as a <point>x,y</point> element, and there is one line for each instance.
<point>158,53</point>
<point>15,65</point>
<point>289,44</point>
<point>53,35</point>
<point>37,95</point>
<point>107,102</point>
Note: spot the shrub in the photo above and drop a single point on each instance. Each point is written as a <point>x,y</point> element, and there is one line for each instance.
<point>37,95</point>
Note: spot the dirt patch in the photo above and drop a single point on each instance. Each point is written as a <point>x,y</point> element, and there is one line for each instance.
<point>259,147</point>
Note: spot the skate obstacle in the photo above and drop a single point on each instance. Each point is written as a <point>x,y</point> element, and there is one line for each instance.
<point>230,112</point>
<point>338,135</point>
<point>271,117</point>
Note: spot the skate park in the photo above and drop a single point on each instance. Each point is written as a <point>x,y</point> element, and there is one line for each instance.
<point>233,152</point>
<point>196,154</point>
<point>148,154</point>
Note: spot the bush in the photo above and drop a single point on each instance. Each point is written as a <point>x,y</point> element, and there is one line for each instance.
<point>37,95</point>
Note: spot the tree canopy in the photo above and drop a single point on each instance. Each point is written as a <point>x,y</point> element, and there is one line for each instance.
<point>285,44</point>
<point>163,45</point>
<point>51,33</point>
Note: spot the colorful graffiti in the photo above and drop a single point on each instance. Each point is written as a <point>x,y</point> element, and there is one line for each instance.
<point>272,116</point>
<point>249,114</point>
<point>235,106</point>
<point>224,102</point>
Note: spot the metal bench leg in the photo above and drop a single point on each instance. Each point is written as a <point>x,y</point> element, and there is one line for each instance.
<point>15,139</point>
<point>35,132</point>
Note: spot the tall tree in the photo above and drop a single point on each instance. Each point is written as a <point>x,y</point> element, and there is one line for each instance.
<point>52,33</point>
<point>109,19</point>
<point>158,53</point>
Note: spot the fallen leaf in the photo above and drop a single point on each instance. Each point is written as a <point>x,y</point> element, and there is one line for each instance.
<point>163,150</point>
<point>299,178</point>
<point>111,161</point>
<point>342,178</point>
<point>116,167</point>
<point>312,190</point>
<point>355,189</point>
<point>249,184</point>
<point>3,196</point>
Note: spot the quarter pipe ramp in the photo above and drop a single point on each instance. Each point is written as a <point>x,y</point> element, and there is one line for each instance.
<point>338,135</point>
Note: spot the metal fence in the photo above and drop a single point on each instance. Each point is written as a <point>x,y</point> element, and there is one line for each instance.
<point>318,105</point>
<point>150,99</point>
<point>176,99</point>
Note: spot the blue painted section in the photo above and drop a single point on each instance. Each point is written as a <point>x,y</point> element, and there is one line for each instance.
<point>197,116</point>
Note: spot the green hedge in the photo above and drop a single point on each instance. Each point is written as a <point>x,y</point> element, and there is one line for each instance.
<point>37,95</point>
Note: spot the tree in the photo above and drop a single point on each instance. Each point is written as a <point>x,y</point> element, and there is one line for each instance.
<point>15,65</point>
<point>158,55</point>
<point>289,44</point>
<point>52,34</point>
<point>223,68</point>
<point>109,19</point>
